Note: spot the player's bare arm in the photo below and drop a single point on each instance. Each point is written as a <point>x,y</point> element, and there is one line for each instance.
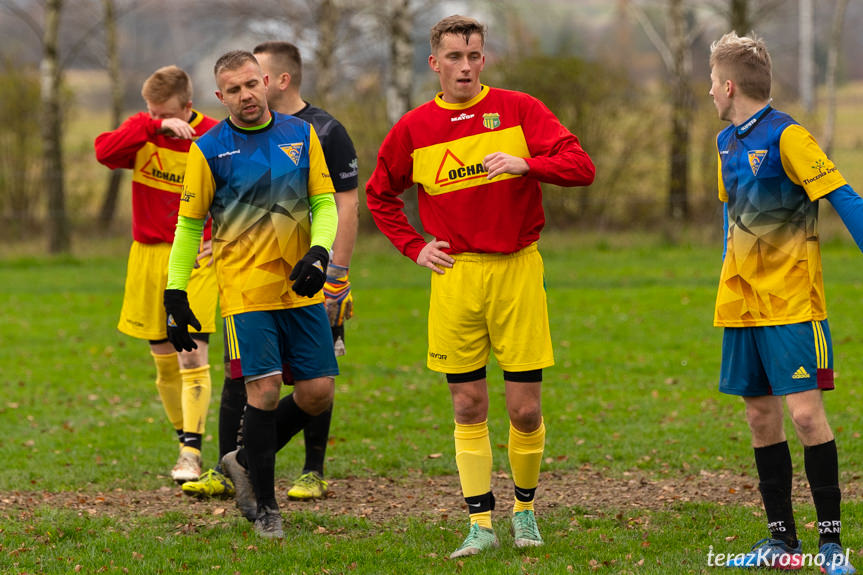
<point>500,163</point>
<point>178,128</point>
<point>432,256</point>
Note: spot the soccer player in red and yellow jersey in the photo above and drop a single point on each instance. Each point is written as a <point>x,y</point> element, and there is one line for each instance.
<point>478,155</point>
<point>155,145</point>
<point>776,341</point>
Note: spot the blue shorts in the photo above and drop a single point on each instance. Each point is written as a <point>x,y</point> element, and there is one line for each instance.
<point>267,342</point>
<point>776,360</point>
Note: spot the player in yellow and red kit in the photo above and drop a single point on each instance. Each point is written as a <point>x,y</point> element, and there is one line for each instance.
<point>155,145</point>
<point>478,155</point>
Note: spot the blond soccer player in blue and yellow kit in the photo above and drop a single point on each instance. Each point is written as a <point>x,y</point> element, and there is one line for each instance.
<point>770,302</point>
<point>263,178</point>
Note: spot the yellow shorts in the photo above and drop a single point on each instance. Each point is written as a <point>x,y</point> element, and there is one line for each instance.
<point>490,302</point>
<point>143,313</point>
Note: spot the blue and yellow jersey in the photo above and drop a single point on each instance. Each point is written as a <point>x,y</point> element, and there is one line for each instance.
<point>256,185</point>
<point>771,174</point>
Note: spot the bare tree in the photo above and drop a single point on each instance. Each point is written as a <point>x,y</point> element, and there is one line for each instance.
<point>682,111</point>
<point>806,76</point>
<point>739,17</point>
<point>832,65</point>
<point>59,237</point>
<point>675,54</point>
<point>112,190</point>
<point>328,17</point>
<point>398,93</point>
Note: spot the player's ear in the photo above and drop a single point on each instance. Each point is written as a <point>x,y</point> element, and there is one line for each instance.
<point>219,96</point>
<point>433,63</point>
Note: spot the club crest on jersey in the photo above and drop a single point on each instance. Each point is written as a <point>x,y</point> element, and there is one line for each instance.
<point>755,159</point>
<point>491,121</point>
<point>294,151</point>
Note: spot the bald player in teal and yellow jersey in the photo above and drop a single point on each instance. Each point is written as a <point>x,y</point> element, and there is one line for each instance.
<point>776,341</point>
<point>263,178</point>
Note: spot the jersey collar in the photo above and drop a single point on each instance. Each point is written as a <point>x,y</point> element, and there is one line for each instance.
<point>483,92</point>
<point>746,127</point>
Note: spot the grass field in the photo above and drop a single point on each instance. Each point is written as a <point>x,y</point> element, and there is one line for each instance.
<point>630,406</point>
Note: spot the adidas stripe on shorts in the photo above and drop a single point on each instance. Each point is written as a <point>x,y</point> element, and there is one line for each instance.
<point>776,359</point>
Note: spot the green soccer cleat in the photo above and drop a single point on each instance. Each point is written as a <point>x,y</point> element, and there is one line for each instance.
<point>478,539</point>
<point>308,486</point>
<point>525,531</point>
<point>212,483</point>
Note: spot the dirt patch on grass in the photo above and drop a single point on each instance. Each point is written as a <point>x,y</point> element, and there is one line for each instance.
<point>383,499</point>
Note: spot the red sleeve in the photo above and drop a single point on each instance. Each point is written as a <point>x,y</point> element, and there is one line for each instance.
<point>391,177</point>
<point>117,149</point>
<point>556,155</point>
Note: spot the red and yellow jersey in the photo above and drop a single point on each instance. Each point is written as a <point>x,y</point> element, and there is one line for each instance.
<point>158,164</point>
<point>441,146</point>
<point>771,176</point>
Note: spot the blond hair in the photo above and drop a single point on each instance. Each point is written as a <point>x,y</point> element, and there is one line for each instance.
<point>457,25</point>
<point>166,83</point>
<point>745,61</point>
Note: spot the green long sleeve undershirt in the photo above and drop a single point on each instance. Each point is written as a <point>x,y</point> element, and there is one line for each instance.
<point>325,220</point>
<point>187,238</point>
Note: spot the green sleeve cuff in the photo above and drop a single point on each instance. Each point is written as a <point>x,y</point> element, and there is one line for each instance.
<point>325,220</point>
<point>187,240</point>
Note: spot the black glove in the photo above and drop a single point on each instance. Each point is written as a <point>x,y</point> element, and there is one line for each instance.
<point>310,273</point>
<point>180,317</point>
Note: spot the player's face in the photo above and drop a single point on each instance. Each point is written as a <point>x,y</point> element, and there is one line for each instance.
<point>273,92</point>
<point>171,108</point>
<point>719,91</point>
<point>458,64</point>
<point>244,93</point>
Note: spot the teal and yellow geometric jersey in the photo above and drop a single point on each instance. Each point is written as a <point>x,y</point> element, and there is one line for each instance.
<point>256,185</point>
<point>771,174</point>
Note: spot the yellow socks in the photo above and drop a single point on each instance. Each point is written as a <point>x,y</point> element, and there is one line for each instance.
<point>195,398</point>
<point>525,458</point>
<point>170,386</point>
<point>474,459</point>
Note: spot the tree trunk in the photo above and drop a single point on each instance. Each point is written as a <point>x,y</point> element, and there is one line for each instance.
<point>52,132</point>
<point>832,65</point>
<point>112,190</point>
<point>398,91</point>
<point>681,112</point>
<point>738,18</point>
<point>806,52</point>
<point>325,74</point>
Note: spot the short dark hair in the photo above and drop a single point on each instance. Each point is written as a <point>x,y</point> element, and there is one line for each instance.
<point>286,57</point>
<point>458,25</point>
<point>233,60</point>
